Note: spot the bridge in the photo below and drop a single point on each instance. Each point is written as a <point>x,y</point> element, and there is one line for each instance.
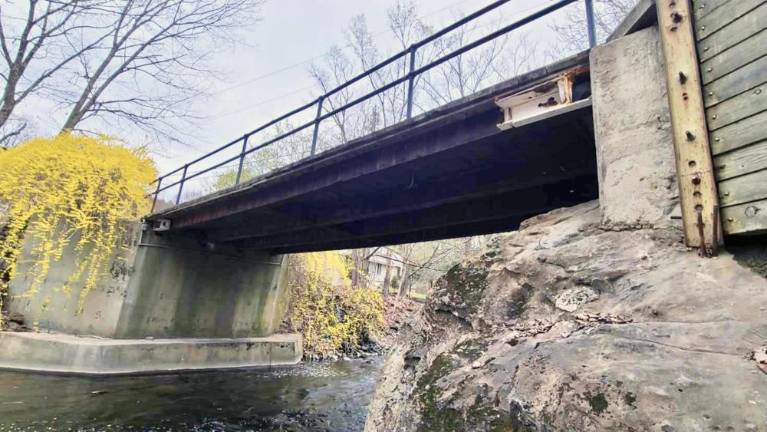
<point>477,165</point>
<point>664,122</point>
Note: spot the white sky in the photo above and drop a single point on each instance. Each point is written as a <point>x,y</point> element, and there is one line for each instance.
<point>268,76</point>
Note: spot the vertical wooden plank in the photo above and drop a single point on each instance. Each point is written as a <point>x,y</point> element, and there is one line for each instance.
<point>695,174</point>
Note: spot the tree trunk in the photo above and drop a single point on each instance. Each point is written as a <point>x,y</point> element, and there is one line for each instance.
<point>387,278</point>
<point>403,286</point>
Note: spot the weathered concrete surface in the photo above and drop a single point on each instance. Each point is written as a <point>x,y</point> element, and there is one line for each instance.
<point>55,304</point>
<point>634,142</point>
<point>182,286</point>
<point>61,353</point>
<point>160,286</point>
<point>568,325</point>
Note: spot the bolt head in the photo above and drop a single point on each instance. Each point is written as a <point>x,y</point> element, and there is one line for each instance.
<point>713,116</point>
<point>729,219</point>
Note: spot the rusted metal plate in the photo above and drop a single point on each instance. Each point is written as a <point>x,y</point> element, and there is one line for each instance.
<point>749,76</point>
<point>736,32</point>
<point>745,218</point>
<point>739,134</point>
<point>743,189</point>
<point>741,106</point>
<point>721,17</point>
<point>549,97</point>
<point>735,57</point>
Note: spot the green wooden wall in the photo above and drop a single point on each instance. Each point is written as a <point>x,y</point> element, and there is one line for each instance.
<point>732,48</point>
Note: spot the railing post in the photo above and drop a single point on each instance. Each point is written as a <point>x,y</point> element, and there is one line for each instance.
<point>156,193</point>
<point>411,82</point>
<point>592,30</point>
<point>317,124</point>
<point>242,159</point>
<point>181,184</point>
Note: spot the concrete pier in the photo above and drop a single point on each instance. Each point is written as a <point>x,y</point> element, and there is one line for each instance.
<point>170,302</point>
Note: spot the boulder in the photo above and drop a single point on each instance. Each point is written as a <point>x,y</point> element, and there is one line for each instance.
<point>566,325</point>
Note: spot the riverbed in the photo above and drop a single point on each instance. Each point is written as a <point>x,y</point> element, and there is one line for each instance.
<point>307,397</point>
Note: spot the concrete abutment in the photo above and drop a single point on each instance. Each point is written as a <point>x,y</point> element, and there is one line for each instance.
<point>169,302</point>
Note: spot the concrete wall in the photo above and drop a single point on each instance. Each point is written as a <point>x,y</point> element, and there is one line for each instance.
<point>55,304</point>
<point>635,152</point>
<point>85,355</point>
<point>182,287</point>
<point>171,286</point>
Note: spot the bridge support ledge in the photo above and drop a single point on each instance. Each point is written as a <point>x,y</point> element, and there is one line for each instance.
<point>69,354</point>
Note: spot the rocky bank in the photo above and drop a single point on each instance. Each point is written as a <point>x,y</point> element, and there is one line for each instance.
<point>571,325</point>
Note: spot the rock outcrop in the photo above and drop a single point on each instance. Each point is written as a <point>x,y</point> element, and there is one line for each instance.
<point>569,325</point>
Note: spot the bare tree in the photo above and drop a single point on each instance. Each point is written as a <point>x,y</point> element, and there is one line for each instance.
<point>34,47</point>
<point>572,32</point>
<point>148,68</point>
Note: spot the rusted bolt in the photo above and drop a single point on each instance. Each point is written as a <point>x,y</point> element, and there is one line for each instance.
<point>696,180</point>
<point>690,136</point>
<point>685,96</point>
<point>676,17</point>
<point>682,77</point>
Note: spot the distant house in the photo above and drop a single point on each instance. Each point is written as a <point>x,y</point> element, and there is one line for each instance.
<point>382,259</point>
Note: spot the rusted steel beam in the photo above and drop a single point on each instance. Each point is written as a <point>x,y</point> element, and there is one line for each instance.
<point>695,174</point>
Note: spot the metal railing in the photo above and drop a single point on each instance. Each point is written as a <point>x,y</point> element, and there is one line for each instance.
<point>409,78</point>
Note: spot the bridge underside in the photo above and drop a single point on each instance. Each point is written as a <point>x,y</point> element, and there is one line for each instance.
<point>448,173</point>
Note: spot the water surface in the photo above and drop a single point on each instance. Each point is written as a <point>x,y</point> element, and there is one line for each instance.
<point>307,397</point>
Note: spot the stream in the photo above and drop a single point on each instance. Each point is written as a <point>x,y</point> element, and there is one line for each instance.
<point>307,397</point>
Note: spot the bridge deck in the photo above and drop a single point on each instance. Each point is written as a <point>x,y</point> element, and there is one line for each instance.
<point>448,173</point>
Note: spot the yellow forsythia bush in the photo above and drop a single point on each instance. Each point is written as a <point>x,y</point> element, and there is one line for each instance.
<point>70,188</point>
<point>325,309</point>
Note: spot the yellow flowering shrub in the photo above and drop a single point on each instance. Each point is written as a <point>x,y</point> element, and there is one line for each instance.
<point>70,188</point>
<point>325,309</point>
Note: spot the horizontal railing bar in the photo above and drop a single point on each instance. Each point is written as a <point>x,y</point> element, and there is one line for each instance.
<point>410,75</point>
<point>353,80</point>
<point>459,23</point>
<point>500,32</point>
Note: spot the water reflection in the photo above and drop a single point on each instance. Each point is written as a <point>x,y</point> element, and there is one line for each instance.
<point>308,397</point>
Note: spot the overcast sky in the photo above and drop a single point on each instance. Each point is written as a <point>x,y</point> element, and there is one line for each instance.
<point>265,72</point>
<point>268,74</point>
